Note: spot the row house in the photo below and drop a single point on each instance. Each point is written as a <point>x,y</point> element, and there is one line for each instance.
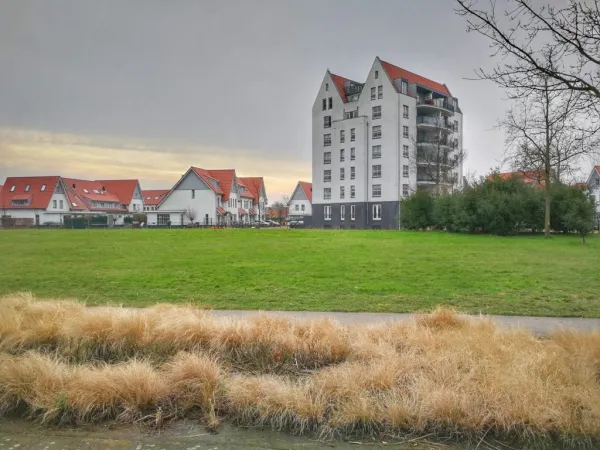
<point>300,203</point>
<point>46,200</point>
<point>208,197</point>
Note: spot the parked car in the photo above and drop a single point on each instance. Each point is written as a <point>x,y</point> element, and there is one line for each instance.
<point>260,223</point>
<point>273,223</point>
<point>297,224</point>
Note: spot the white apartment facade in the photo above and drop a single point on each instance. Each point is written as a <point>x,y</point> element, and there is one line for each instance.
<point>300,204</point>
<point>367,142</point>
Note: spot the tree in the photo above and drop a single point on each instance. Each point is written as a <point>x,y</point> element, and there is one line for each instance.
<point>543,137</point>
<point>280,207</point>
<point>438,155</point>
<point>191,214</point>
<point>559,44</point>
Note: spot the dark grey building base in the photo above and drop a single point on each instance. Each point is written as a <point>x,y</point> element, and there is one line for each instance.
<point>363,217</point>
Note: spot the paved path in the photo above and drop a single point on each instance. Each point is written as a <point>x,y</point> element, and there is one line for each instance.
<point>540,325</point>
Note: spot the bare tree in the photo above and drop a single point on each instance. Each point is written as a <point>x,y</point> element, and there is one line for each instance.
<point>559,44</point>
<point>191,214</point>
<point>286,199</point>
<point>543,137</point>
<point>437,156</point>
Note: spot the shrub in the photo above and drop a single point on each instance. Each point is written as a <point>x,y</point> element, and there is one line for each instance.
<point>416,211</point>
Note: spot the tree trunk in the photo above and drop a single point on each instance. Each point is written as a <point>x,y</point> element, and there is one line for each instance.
<point>547,213</point>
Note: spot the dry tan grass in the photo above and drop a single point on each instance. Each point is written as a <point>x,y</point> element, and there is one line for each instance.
<point>440,374</point>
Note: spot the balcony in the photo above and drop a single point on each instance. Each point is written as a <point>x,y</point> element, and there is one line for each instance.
<point>424,141</point>
<point>425,122</point>
<point>435,105</point>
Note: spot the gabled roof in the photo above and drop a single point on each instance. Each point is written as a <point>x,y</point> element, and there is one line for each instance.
<point>306,188</point>
<point>91,191</point>
<point>124,189</point>
<point>255,186</point>
<point>153,197</point>
<point>225,178</point>
<point>528,176</point>
<point>395,72</point>
<point>339,84</point>
<point>207,177</point>
<point>39,199</point>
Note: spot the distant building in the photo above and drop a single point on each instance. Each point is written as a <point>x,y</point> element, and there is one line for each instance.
<point>593,183</point>
<point>533,177</point>
<point>300,204</point>
<point>370,141</point>
<point>152,198</point>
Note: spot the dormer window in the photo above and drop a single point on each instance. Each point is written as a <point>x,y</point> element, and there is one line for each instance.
<point>43,188</point>
<point>86,191</point>
<point>27,188</point>
<point>12,188</point>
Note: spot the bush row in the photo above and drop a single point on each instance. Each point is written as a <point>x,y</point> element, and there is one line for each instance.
<point>502,207</point>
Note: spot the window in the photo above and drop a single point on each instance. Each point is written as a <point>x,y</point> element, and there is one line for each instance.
<point>405,151</point>
<point>352,154</point>
<point>376,151</point>
<point>302,207</point>
<point>376,212</point>
<point>352,212</point>
<point>352,134</point>
<point>297,207</point>
<point>327,213</point>
<point>324,104</point>
<point>327,158</point>
<point>405,171</point>
<point>350,114</point>
<point>162,219</point>
<point>193,193</point>
<point>327,175</point>
<point>456,125</point>
<point>342,173</point>
<point>405,190</point>
<point>405,111</point>
<point>352,173</point>
<point>376,74</point>
<point>352,191</point>
<point>327,140</point>
<point>27,188</point>
<point>326,86</point>
<point>373,93</point>
<point>376,171</point>
<point>327,122</point>
<point>376,190</point>
<point>376,112</point>
<point>342,212</point>
<point>43,188</point>
<point>60,204</point>
<point>20,202</point>
<point>377,132</point>
<point>404,87</point>
<point>342,155</point>
<point>405,131</point>
<point>597,181</point>
<point>74,204</point>
<point>54,204</point>
<point>342,136</point>
<point>327,193</point>
<point>342,191</point>
<point>12,188</point>
<point>379,91</point>
<point>330,102</point>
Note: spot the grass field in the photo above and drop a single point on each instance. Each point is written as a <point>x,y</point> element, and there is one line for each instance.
<point>307,270</point>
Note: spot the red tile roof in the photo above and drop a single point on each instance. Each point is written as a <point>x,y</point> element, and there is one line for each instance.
<point>124,189</point>
<point>339,84</point>
<point>528,176</point>
<point>255,186</point>
<point>395,72</point>
<point>225,178</point>
<point>92,191</point>
<point>207,177</point>
<point>40,199</point>
<point>154,197</point>
<point>242,211</point>
<point>597,169</point>
<point>307,188</point>
<point>221,211</point>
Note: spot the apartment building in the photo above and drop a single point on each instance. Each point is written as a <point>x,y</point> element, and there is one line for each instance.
<point>373,143</point>
<point>300,204</point>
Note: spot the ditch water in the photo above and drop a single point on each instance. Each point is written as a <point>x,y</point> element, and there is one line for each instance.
<point>16,434</point>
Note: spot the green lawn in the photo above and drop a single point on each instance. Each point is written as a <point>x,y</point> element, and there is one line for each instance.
<point>307,270</point>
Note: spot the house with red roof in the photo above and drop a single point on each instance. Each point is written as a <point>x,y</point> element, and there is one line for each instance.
<point>39,200</point>
<point>207,197</point>
<point>152,198</point>
<point>128,192</point>
<point>300,203</point>
<point>533,177</point>
<point>255,187</point>
<point>372,141</point>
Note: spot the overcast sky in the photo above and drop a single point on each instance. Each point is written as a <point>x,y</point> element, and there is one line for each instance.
<point>146,88</point>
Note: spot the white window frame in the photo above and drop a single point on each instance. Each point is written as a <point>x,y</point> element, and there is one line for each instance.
<point>404,131</point>
<point>378,187</point>
<point>376,152</point>
<point>352,191</point>
<point>327,140</point>
<point>342,155</point>
<point>376,212</point>
<point>60,204</point>
<point>405,190</point>
<point>327,158</point>
<point>327,175</point>
<point>404,87</point>
<point>342,192</point>
<point>373,93</point>
<point>376,112</point>
<point>376,129</point>
<point>342,136</point>
<point>405,111</point>
<point>405,171</point>
<point>324,105</point>
<point>342,212</point>
<point>326,123</point>
<point>352,153</point>
<point>376,171</point>
<point>296,207</point>
<point>352,212</point>
<point>327,212</point>
<point>342,173</point>
<point>380,91</point>
<point>326,193</point>
<point>54,204</point>
<point>405,151</point>
<point>352,134</point>
<point>352,173</point>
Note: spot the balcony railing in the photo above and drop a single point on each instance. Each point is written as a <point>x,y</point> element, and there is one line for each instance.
<point>437,102</point>
<point>436,122</point>
<point>450,143</point>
